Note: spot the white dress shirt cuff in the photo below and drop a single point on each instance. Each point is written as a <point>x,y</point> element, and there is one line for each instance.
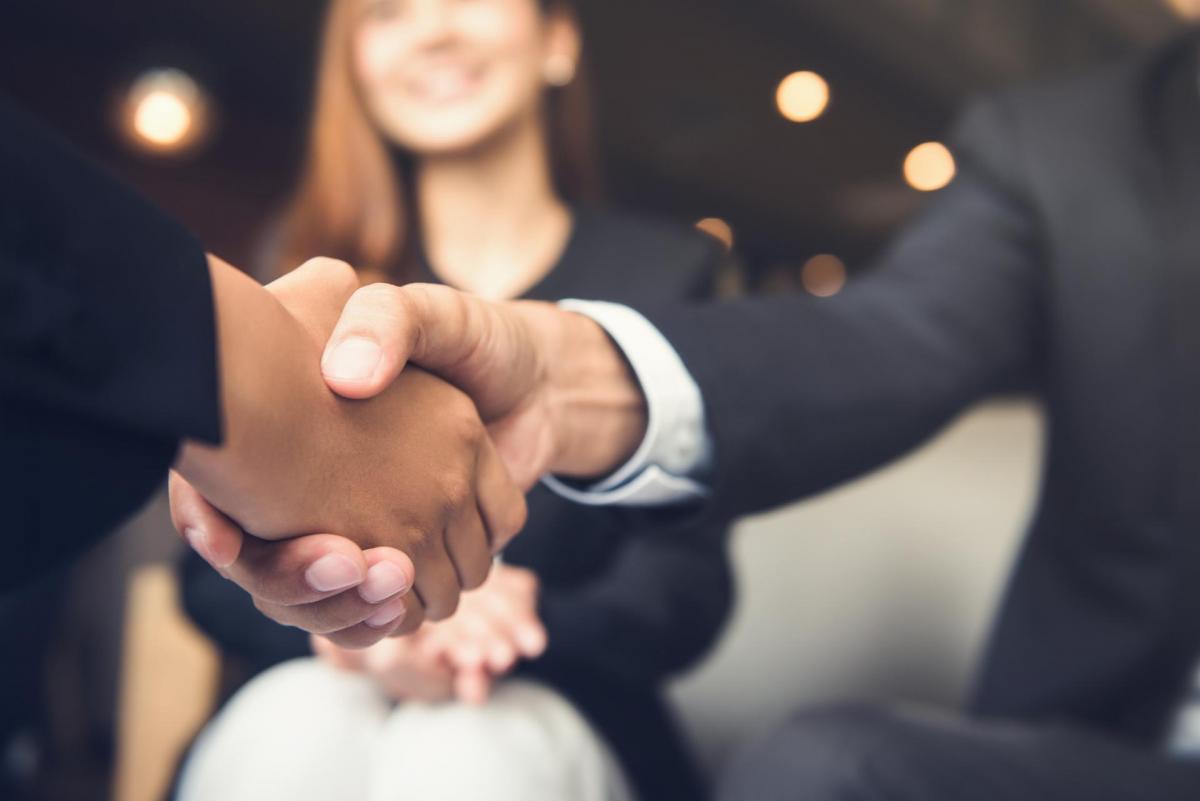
<point>676,446</point>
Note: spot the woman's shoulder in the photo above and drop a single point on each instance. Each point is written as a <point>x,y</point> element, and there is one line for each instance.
<point>642,256</point>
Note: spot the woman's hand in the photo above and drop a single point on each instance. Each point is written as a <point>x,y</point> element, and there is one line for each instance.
<point>403,667</point>
<point>494,627</point>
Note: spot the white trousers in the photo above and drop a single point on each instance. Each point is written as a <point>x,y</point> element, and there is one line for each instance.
<point>304,731</point>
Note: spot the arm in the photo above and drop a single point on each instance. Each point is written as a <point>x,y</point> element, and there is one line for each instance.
<point>110,359</point>
<point>951,315</point>
<point>803,393</point>
<point>106,347</point>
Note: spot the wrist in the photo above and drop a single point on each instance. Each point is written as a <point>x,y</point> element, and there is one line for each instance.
<point>596,404</point>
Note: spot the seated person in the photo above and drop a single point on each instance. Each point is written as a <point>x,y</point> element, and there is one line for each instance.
<point>474,114</point>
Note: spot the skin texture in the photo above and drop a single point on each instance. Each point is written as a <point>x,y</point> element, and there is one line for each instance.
<point>582,415</point>
<point>554,390</point>
<point>411,471</point>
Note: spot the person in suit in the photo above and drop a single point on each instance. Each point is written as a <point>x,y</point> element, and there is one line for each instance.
<point>1061,260</point>
<point>126,349</point>
<point>449,144</point>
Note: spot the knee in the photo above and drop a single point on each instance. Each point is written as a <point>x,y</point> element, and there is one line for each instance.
<point>526,742</point>
<point>302,688</point>
<point>520,718</point>
<point>841,753</point>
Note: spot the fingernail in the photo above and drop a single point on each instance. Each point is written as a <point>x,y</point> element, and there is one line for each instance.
<point>198,539</point>
<point>353,359</point>
<point>332,572</point>
<point>387,614</point>
<point>383,581</point>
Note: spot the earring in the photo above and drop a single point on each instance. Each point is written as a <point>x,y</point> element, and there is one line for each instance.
<point>559,70</point>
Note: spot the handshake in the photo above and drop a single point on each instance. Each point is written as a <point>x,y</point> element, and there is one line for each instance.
<point>379,441</point>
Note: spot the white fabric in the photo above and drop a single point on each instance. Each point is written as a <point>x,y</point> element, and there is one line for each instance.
<point>677,443</point>
<point>304,731</point>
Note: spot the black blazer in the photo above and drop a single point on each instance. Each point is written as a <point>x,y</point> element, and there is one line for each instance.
<point>107,348</point>
<point>1065,258</point>
<point>625,606</point>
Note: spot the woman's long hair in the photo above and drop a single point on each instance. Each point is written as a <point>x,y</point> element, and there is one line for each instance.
<point>354,200</point>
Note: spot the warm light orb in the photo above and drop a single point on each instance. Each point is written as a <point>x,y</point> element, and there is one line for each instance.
<point>718,229</point>
<point>165,112</point>
<point>929,167</point>
<point>162,119</point>
<point>802,96</point>
<point>1188,9</point>
<point>823,275</point>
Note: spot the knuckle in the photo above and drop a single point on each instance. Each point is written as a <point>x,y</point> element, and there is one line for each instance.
<point>457,492</point>
<point>381,298</point>
<point>463,419</point>
<point>420,546</point>
<point>337,273</point>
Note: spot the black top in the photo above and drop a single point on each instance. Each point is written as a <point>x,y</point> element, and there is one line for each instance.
<point>107,348</point>
<point>1065,257</point>
<point>625,606</point>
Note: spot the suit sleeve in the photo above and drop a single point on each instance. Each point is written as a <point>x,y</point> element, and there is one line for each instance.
<point>107,347</point>
<point>803,393</point>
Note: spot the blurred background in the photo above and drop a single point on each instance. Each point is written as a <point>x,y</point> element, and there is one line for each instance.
<point>800,132</point>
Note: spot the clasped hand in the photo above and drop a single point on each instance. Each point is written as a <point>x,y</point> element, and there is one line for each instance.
<point>409,480</point>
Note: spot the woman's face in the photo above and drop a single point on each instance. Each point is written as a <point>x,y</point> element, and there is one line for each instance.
<point>444,76</point>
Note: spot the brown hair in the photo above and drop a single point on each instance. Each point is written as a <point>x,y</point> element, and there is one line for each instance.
<point>354,198</point>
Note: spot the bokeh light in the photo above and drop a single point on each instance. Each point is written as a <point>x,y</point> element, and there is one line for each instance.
<point>802,96</point>
<point>166,112</point>
<point>823,275</point>
<point>929,167</point>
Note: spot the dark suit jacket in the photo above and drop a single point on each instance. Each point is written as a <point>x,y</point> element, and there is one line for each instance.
<point>107,348</point>
<point>625,606</point>
<point>1065,258</point>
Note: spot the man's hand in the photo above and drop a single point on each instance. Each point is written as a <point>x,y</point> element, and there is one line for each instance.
<point>556,393</point>
<point>494,627</point>
<point>411,470</point>
<point>321,583</point>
